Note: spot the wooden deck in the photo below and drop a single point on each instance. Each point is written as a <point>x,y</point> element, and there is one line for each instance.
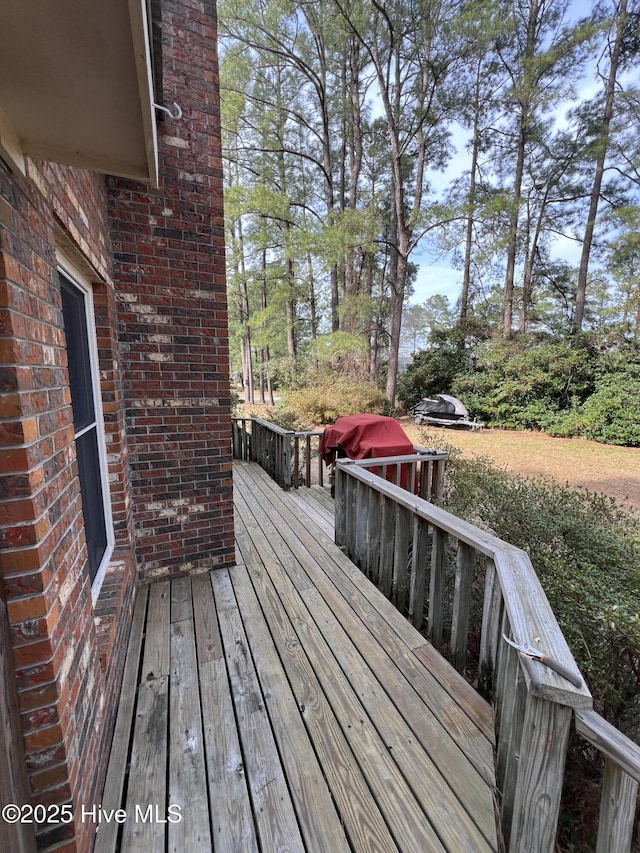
<point>285,705</point>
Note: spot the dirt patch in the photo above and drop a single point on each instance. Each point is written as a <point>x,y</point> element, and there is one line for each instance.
<point>615,471</point>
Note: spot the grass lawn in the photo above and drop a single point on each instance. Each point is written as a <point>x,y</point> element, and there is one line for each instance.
<point>598,467</point>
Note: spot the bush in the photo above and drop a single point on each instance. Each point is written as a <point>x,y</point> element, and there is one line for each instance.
<point>432,371</point>
<point>523,384</point>
<point>281,415</point>
<point>612,413</point>
<point>586,551</point>
<point>332,398</point>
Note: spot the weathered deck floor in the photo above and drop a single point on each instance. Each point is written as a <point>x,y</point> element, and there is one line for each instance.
<point>285,705</point>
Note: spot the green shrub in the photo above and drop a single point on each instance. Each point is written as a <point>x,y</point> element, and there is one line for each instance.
<point>284,417</point>
<point>334,397</point>
<point>523,384</point>
<point>612,413</point>
<point>432,371</point>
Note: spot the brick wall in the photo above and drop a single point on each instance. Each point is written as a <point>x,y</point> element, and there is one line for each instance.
<point>160,315</point>
<point>169,271</point>
<point>68,657</point>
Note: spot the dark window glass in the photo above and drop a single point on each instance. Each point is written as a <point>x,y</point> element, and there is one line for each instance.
<point>84,421</point>
<point>75,327</point>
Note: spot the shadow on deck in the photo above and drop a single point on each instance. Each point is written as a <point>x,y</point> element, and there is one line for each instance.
<point>285,705</point>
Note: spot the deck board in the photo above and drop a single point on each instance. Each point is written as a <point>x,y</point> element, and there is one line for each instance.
<point>285,705</point>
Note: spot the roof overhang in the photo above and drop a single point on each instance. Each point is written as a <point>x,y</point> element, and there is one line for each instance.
<point>76,85</point>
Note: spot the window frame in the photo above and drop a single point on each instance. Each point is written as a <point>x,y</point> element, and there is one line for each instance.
<point>76,278</point>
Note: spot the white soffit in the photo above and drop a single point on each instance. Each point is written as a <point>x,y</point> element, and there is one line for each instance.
<point>76,86</point>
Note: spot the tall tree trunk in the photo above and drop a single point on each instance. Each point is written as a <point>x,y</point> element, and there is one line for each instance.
<point>313,15</point>
<point>353,134</point>
<point>291,309</point>
<point>527,275</point>
<point>285,226</point>
<point>507,299</point>
<point>395,321</point>
<point>523,133</point>
<point>247,360</point>
<point>313,308</point>
<point>471,201</point>
<point>264,352</point>
<point>532,253</point>
<point>581,289</point>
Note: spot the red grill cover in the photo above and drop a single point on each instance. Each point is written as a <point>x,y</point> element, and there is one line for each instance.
<point>364,437</point>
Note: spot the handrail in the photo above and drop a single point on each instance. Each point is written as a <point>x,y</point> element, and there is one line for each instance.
<point>409,557</point>
<point>529,616</point>
<point>610,742</point>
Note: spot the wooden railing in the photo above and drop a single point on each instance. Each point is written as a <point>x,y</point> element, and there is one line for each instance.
<point>290,458</point>
<point>475,588</point>
<point>421,473</point>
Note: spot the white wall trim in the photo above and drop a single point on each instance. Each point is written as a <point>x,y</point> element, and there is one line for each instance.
<point>72,272</point>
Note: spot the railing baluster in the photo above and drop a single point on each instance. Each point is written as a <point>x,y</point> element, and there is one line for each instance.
<point>362,526</point>
<point>340,483</point>
<point>373,538</point>
<point>511,737</point>
<point>461,605</point>
<point>436,587</point>
<point>618,800</point>
<point>513,691</point>
<point>387,546</point>
<point>350,510</point>
<point>424,478</point>
<point>502,660</point>
<point>412,485</point>
<point>419,556</point>
<point>400,558</point>
<point>438,479</point>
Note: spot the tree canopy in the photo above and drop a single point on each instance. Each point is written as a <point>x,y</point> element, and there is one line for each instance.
<point>502,134</point>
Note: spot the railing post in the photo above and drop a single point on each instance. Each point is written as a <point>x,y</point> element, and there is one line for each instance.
<point>543,750</point>
<point>438,479</point>
<point>296,461</point>
<point>234,439</point>
<point>490,632</point>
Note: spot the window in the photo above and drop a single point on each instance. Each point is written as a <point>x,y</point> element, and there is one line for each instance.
<point>77,310</point>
